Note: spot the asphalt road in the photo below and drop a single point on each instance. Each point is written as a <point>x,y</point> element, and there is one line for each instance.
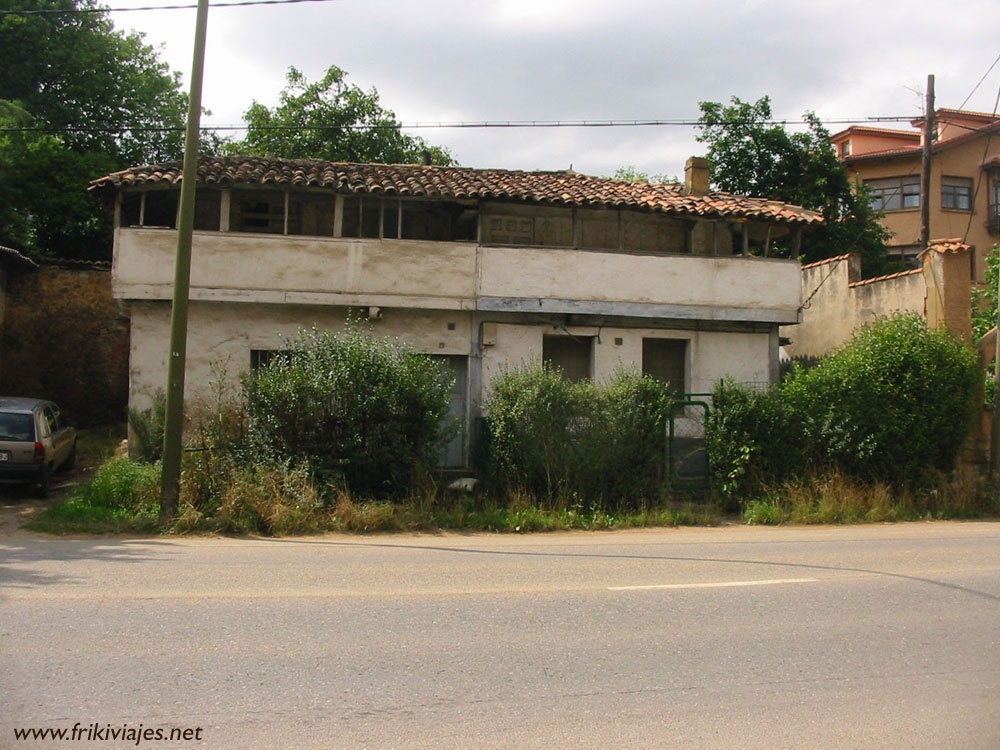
<point>850,637</point>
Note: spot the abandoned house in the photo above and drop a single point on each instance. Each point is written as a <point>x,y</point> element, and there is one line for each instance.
<point>486,269</point>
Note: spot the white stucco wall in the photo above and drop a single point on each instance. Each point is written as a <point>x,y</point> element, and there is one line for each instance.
<point>711,355</point>
<point>457,276</point>
<point>221,336</point>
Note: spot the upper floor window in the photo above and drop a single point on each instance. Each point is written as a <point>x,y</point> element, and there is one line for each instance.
<point>895,193</point>
<point>956,193</point>
<point>392,218</point>
<point>157,209</point>
<point>845,148</point>
<point>257,211</point>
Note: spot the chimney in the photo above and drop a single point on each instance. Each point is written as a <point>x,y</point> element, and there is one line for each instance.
<point>696,176</point>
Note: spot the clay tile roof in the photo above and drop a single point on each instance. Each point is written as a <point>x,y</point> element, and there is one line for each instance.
<point>953,245</point>
<point>453,183</point>
<point>826,260</point>
<point>887,277</point>
<point>10,255</point>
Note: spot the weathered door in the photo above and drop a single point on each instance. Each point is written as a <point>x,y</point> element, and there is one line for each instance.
<point>453,455</point>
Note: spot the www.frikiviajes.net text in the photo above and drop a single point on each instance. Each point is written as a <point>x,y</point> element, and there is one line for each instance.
<point>98,732</point>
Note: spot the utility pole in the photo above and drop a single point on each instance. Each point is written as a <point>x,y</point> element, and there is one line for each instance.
<point>925,173</point>
<point>174,423</point>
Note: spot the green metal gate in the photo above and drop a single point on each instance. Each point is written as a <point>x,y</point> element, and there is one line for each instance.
<point>687,459</point>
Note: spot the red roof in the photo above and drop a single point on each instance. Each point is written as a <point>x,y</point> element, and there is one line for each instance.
<point>453,183</point>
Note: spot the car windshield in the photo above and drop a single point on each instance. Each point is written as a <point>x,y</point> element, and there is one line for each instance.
<point>16,427</point>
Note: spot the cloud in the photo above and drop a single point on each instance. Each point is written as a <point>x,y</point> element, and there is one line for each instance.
<point>445,60</point>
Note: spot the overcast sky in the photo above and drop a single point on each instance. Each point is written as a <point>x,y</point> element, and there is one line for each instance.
<point>475,60</point>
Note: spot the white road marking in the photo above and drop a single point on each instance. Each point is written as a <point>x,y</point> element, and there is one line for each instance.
<point>714,585</point>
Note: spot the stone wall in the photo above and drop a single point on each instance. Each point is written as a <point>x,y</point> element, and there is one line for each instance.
<point>65,338</point>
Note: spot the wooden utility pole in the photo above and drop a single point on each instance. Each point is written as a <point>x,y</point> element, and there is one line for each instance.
<point>925,173</point>
<point>174,423</point>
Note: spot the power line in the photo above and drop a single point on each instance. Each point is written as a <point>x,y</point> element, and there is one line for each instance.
<point>430,125</point>
<point>979,181</point>
<point>78,11</point>
<point>976,87</point>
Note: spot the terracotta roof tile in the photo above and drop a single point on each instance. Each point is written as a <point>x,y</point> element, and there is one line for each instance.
<point>951,245</point>
<point>11,255</point>
<point>569,188</point>
<point>887,277</point>
<point>826,260</point>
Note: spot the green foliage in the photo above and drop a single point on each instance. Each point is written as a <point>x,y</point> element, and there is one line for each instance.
<point>578,442</point>
<point>76,71</point>
<point>752,156</point>
<point>147,428</point>
<point>360,410</point>
<point>121,484</point>
<point>984,298</point>
<point>753,438</point>
<point>896,400</point>
<point>894,404</point>
<point>631,173</point>
<point>331,119</point>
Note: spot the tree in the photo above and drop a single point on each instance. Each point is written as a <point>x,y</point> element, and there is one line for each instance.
<point>79,99</point>
<point>631,173</point>
<point>331,119</point>
<point>752,156</point>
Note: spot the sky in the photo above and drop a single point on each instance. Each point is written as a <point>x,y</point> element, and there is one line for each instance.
<point>514,60</point>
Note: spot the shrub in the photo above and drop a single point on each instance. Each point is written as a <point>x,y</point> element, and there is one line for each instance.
<point>122,484</point>
<point>754,439</point>
<point>894,404</point>
<point>360,411</point>
<point>895,401</point>
<point>147,428</point>
<point>577,442</point>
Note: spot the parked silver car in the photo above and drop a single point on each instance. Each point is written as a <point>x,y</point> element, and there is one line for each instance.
<point>36,439</point>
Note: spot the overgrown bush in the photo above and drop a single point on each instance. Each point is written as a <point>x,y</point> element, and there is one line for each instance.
<point>895,401</point>
<point>358,411</point>
<point>894,404</point>
<point>121,484</point>
<point>579,442</point>
<point>147,428</point>
<point>754,439</point>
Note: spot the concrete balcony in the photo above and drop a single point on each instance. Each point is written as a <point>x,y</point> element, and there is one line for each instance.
<point>279,269</point>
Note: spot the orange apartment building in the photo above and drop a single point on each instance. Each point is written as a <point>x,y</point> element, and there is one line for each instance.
<point>965,180</point>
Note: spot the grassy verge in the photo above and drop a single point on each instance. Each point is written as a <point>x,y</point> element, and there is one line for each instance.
<point>835,498</point>
<point>278,501</point>
<point>123,497</point>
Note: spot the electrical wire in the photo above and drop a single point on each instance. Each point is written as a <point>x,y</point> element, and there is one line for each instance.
<point>976,87</point>
<point>96,9</point>
<point>979,181</point>
<point>421,125</point>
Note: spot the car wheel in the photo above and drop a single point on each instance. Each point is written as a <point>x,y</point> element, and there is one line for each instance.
<point>45,481</point>
<point>71,459</point>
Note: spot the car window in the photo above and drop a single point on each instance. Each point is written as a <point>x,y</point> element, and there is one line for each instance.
<point>50,419</point>
<point>16,427</point>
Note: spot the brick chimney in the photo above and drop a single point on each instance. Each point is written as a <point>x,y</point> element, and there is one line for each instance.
<point>696,176</point>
